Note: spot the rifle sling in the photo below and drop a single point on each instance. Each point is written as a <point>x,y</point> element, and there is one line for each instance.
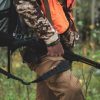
<point>61,67</point>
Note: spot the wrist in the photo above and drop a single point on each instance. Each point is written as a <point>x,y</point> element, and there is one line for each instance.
<point>51,39</point>
<point>54,43</point>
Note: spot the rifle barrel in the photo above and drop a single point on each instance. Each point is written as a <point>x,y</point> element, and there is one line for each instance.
<point>88,61</point>
<point>75,57</point>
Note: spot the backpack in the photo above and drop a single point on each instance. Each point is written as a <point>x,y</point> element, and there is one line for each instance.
<point>12,29</point>
<point>8,21</point>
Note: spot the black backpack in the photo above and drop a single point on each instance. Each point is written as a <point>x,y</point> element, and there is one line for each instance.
<point>8,22</point>
<point>12,29</point>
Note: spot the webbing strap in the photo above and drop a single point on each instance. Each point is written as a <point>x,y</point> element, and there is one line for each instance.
<point>61,67</point>
<point>65,2</point>
<point>47,8</point>
<point>71,4</point>
<point>39,2</point>
<point>9,60</point>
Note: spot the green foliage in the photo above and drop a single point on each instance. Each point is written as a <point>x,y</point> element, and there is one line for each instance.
<point>87,14</point>
<point>89,76</point>
<point>13,90</point>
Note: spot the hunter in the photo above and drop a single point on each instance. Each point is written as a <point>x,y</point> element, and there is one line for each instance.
<point>63,86</point>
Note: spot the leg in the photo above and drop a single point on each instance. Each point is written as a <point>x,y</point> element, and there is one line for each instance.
<point>63,86</point>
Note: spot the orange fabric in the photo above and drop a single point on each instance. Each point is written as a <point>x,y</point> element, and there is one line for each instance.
<point>59,20</point>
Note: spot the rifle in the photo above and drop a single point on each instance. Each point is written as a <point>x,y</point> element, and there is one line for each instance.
<point>68,55</point>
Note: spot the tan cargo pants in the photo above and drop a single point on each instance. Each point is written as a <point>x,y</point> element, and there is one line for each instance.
<point>63,86</point>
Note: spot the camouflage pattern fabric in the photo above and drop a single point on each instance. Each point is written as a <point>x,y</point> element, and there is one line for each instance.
<point>34,18</point>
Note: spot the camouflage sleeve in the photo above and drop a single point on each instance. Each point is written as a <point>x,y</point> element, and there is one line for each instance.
<point>34,18</point>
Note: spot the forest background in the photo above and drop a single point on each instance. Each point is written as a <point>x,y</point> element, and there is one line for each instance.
<point>87,19</point>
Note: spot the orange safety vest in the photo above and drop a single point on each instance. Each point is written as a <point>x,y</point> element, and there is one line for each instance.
<point>59,20</point>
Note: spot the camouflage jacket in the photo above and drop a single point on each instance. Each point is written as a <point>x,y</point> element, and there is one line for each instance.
<point>33,16</point>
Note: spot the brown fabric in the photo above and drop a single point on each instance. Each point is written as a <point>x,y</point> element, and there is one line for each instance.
<point>63,86</point>
<point>44,93</point>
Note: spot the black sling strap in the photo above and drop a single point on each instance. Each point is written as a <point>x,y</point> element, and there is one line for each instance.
<point>39,2</point>
<point>70,5</point>
<point>11,27</point>
<point>66,10</point>
<point>66,6</point>
<point>61,67</point>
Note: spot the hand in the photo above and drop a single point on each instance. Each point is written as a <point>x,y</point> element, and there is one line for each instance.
<point>56,50</point>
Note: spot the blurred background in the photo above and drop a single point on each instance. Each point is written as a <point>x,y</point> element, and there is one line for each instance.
<point>87,18</point>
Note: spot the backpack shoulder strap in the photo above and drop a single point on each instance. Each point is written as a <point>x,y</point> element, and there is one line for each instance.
<point>71,4</point>
<point>65,2</point>
<point>65,8</point>
<point>47,9</point>
<point>39,2</point>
